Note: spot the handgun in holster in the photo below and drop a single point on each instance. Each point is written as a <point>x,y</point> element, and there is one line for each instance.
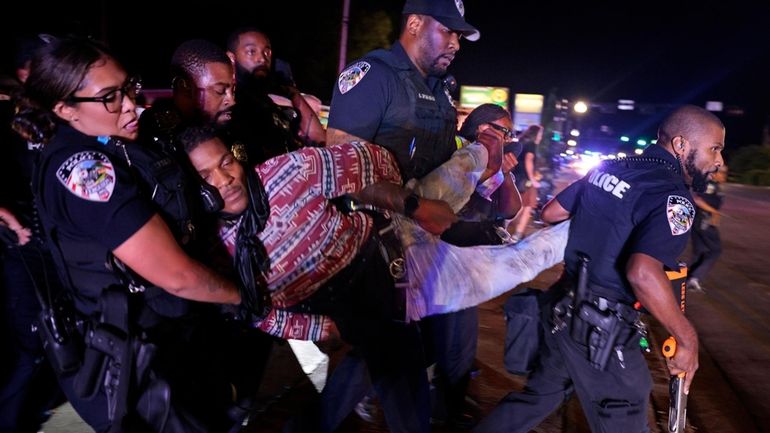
<point>107,363</point>
<point>603,334</point>
<point>597,329</point>
<point>104,345</point>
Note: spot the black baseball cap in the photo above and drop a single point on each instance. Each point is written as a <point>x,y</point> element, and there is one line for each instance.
<point>448,12</point>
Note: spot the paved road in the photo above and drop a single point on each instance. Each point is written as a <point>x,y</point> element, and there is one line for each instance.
<point>732,318</point>
<point>729,394</point>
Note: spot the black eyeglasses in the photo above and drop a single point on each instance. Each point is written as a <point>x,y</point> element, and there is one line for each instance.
<point>113,100</point>
<point>507,133</point>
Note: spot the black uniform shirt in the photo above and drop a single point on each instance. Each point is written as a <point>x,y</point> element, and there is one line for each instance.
<point>382,98</point>
<point>92,204</point>
<point>627,206</point>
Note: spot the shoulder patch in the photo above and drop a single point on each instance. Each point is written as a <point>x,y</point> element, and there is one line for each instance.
<point>680,213</point>
<point>352,75</point>
<point>88,175</point>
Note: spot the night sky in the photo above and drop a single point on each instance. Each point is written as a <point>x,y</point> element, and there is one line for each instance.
<point>662,52</point>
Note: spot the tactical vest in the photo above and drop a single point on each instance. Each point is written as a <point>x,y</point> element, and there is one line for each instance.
<point>166,184</point>
<point>427,140</point>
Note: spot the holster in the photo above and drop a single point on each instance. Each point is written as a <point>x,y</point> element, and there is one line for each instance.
<point>109,356</point>
<point>392,252</point>
<point>600,324</point>
<point>603,327</point>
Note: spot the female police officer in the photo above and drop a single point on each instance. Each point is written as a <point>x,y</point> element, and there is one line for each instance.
<point>80,103</point>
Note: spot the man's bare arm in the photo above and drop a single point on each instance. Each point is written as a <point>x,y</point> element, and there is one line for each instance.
<point>153,253</point>
<point>336,136</point>
<point>653,289</point>
<point>435,216</point>
<point>553,212</point>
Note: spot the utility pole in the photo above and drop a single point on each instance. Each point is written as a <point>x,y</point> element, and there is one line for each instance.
<point>344,36</point>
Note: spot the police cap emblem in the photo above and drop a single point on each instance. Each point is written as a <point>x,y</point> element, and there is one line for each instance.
<point>352,75</point>
<point>88,175</point>
<point>680,213</point>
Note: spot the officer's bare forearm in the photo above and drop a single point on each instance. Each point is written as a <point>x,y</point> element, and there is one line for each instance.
<point>336,136</point>
<point>653,289</point>
<point>199,283</point>
<point>554,212</point>
<point>384,195</point>
<point>153,253</point>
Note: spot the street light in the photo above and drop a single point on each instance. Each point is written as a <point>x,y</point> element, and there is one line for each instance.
<point>580,107</point>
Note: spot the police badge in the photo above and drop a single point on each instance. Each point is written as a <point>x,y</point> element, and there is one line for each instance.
<point>680,213</point>
<point>88,175</point>
<point>352,75</point>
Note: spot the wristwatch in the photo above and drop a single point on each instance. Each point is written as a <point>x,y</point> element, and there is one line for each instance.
<point>411,203</point>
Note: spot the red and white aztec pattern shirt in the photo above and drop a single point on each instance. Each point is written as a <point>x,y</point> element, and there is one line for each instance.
<point>307,239</point>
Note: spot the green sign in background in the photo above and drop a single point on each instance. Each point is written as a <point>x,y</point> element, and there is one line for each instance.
<point>473,96</point>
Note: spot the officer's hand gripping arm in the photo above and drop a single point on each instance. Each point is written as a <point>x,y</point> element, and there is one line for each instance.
<point>153,253</point>
<point>435,216</point>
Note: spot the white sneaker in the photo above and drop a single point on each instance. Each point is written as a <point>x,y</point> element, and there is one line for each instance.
<point>695,285</point>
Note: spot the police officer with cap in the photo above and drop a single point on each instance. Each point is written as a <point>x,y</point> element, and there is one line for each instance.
<point>630,220</point>
<point>399,98</point>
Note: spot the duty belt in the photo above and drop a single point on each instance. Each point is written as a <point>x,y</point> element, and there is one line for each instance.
<point>602,325</point>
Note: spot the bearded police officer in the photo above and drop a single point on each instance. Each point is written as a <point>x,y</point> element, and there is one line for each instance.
<point>399,98</point>
<point>630,221</point>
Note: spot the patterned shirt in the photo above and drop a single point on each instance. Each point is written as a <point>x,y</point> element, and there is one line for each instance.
<point>307,238</point>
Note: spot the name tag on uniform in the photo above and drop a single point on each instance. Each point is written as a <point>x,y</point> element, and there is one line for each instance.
<point>426,97</point>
